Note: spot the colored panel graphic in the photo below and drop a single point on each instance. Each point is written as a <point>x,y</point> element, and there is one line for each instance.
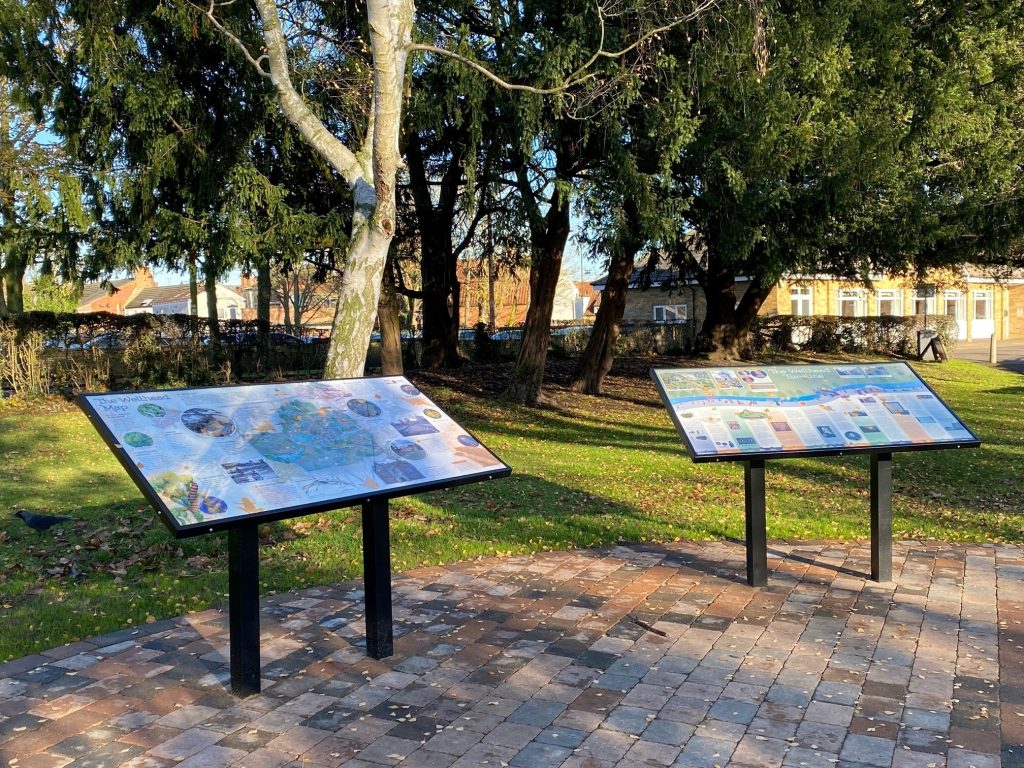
<point>209,457</point>
<point>781,410</point>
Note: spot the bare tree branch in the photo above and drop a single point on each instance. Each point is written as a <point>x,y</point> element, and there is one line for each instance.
<point>579,75</point>
<point>211,15</point>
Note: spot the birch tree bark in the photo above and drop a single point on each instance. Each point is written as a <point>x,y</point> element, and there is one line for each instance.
<point>369,169</point>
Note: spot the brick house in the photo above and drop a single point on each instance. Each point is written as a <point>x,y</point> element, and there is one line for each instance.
<point>982,304</point>
<point>114,295</point>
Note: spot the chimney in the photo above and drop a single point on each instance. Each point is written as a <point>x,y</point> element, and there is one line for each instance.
<point>144,278</point>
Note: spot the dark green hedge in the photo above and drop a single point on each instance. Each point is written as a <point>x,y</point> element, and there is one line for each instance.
<point>43,352</point>
<point>888,336</point>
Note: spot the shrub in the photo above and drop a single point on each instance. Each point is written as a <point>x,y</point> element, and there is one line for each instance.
<point>47,353</point>
<point>829,334</point>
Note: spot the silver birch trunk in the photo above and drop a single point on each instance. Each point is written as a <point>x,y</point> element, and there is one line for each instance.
<point>370,170</point>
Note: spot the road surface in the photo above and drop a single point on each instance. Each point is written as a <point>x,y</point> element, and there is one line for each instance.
<point>1010,353</point>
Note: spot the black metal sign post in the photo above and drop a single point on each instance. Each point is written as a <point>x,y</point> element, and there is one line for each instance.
<point>881,516</point>
<point>245,434</point>
<point>244,609</point>
<point>881,519</point>
<point>757,536</point>
<point>757,413</point>
<point>380,640</point>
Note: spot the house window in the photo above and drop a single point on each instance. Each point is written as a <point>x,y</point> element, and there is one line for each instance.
<point>924,301</point>
<point>954,304</point>
<point>852,302</point>
<point>670,313</point>
<point>801,301</point>
<point>982,305</point>
<point>890,302</point>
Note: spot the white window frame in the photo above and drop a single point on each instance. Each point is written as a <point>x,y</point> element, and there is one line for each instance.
<point>670,313</point>
<point>921,295</point>
<point>958,299</point>
<point>858,296</point>
<point>988,297</point>
<point>801,298</point>
<point>889,294</point>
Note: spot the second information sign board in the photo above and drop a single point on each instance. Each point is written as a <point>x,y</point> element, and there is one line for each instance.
<point>755,413</point>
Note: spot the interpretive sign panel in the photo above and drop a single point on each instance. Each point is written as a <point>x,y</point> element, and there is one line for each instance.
<point>216,458</point>
<point>729,414</point>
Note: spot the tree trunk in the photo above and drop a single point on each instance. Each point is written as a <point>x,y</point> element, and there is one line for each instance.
<point>193,288</point>
<point>370,172</point>
<point>491,314</point>
<point>437,257</point>
<point>264,292</point>
<point>547,249</point>
<point>3,300</point>
<point>286,303</point>
<point>14,282</point>
<point>358,298</point>
<point>298,312</point>
<point>390,325</point>
<point>599,355</point>
<point>724,332</point>
<point>210,287</point>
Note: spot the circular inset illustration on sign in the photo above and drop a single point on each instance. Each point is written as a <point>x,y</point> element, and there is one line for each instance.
<point>408,449</point>
<point>138,439</point>
<point>363,408</point>
<point>213,506</point>
<point>851,435</point>
<point>152,410</point>
<point>469,440</point>
<point>204,421</point>
<point>430,413</point>
<point>409,389</point>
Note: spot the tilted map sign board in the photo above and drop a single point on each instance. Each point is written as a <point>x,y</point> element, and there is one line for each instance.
<point>777,411</point>
<point>755,413</point>
<point>217,458</point>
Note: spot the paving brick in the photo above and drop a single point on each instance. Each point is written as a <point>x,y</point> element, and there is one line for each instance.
<point>186,744</point>
<point>537,753</point>
<point>514,660</point>
<point>867,750</point>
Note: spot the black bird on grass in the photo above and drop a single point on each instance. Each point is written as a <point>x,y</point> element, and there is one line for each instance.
<point>40,523</point>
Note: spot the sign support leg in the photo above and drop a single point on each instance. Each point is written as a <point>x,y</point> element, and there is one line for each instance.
<point>244,609</point>
<point>377,579</point>
<point>881,516</point>
<point>757,537</point>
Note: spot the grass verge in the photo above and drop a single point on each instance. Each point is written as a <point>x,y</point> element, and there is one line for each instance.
<point>588,471</point>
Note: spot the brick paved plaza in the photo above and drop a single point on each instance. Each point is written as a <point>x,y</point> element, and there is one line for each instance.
<point>630,656</point>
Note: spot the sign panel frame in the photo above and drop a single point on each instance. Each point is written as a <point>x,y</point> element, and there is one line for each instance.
<point>88,403</point>
<point>969,441</point>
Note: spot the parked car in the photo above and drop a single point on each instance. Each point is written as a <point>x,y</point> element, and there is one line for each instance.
<point>251,338</point>
<point>406,335</point>
<point>509,334</point>
<point>569,330</point>
<point>109,340</point>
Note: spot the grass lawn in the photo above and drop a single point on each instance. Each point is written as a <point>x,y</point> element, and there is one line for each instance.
<point>587,471</point>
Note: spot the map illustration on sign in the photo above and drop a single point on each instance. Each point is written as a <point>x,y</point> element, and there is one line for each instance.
<point>737,413</point>
<point>208,456</point>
